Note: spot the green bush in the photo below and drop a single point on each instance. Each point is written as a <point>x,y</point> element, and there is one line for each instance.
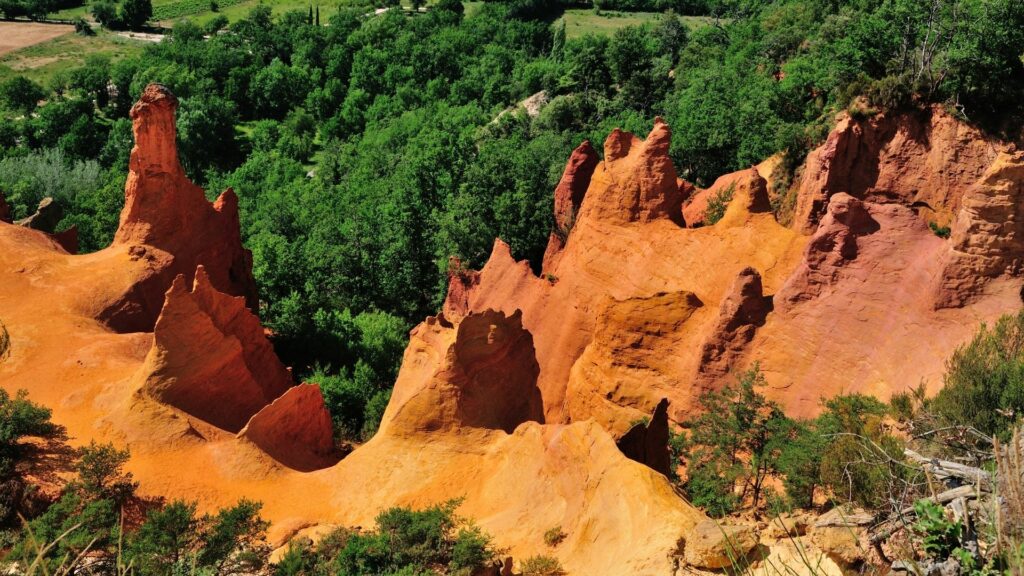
<point>734,445</point>
<point>718,204</point>
<point>984,381</point>
<point>405,541</point>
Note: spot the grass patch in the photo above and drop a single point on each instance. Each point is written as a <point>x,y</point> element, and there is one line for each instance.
<point>43,61</point>
<point>583,21</point>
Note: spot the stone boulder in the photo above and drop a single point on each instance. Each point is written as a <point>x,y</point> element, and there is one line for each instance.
<point>712,546</point>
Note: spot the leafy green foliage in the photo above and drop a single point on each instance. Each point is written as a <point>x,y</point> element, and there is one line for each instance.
<point>20,418</point>
<point>20,94</point>
<point>984,382</point>
<point>406,542</point>
<point>718,204</point>
<point>734,445</point>
<point>939,534</point>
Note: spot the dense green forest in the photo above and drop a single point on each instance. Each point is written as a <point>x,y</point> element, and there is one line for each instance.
<point>368,150</point>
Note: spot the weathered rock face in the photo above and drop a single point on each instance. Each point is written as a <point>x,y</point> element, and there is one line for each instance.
<point>210,357</point>
<point>988,234</point>
<point>637,181</point>
<point>626,361</point>
<point>168,226</point>
<point>480,373</point>
<point>833,246</point>
<point>569,197</point>
<point>295,429</point>
<point>925,159</point>
<point>742,312</point>
<point>745,187</point>
<point>647,442</point>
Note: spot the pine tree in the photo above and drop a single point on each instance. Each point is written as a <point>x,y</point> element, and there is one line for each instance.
<point>309,19</point>
<point>317,14</point>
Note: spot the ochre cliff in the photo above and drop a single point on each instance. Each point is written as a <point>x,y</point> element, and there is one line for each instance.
<point>646,300</point>
<point>539,400</point>
<point>149,344</point>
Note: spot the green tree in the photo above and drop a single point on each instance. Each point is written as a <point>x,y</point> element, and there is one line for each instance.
<point>136,13</point>
<point>19,94</point>
<point>735,445</point>
<point>105,12</point>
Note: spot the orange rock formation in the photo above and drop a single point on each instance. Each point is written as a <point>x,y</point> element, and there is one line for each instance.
<point>465,420</point>
<point>210,357</point>
<point>514,396</point>
<point>295,429</point>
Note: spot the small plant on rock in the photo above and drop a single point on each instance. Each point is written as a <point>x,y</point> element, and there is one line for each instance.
<point>554,536</point>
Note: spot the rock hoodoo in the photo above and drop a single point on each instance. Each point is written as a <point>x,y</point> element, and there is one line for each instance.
<point>636,182</point>
<point>742,312</point>
<point>569,197</point>
<point>295,429</point>
<point>168,226</point>
<point>210,357</point>
<point>479,373</point>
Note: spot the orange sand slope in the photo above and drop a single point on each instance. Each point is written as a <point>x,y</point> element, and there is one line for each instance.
<point>514,395</point>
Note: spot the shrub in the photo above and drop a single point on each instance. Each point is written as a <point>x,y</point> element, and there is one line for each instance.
<point>984,382</point>
<point>554,536</point>
<point>718,204</point>
<point>940,231</point>
<point>408,542</point>
<point>542,566</point>
<point>101,473</point>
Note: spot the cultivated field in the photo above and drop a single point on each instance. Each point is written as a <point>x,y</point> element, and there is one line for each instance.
<point>18,35</point>
<point>48,57</point>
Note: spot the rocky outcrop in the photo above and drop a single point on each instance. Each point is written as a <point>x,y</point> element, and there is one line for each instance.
<point>988,234</point>
<point>478,373</point>
<point>833,246</point>
<point>569,197</point>
<point>746,188</point>
<point>636,182</point>
<point>45,219</point>
<point>742,312</point>
<point>618,378</point>
<point>926,160</point>
<point>210,357</point>
<point>167,226</point>
<point>646,441</point>
<point>295,429</point>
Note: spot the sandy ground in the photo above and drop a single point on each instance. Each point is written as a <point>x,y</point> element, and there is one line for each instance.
<point>18,35</point>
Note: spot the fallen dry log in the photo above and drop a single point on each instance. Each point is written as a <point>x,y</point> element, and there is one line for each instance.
<point>944,470</point>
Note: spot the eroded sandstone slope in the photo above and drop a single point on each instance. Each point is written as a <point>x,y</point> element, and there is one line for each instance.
<point>523,396</point>
<point>149,344</point>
